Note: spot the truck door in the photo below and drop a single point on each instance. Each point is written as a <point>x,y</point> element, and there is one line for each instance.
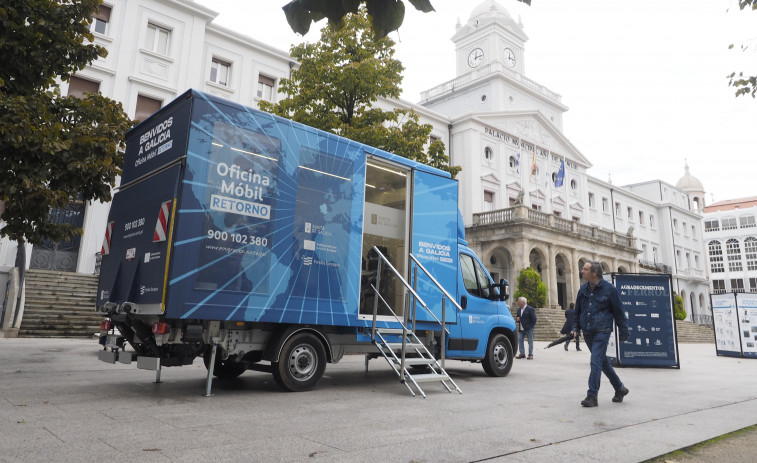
<point>478,308</point>
<point>386,226</point>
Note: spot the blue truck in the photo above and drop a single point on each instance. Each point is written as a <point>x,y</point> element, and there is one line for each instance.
<point>258,243</point>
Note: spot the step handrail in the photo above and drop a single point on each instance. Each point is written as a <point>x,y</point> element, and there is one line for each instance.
<point>436,283</point>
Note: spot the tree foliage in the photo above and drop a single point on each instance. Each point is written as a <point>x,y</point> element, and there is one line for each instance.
<point>385,16</point>
<point>531,287</point>
<point>745,85</point>
<point>339,80</point>
<point>678,311</point>
<point>52,147</point>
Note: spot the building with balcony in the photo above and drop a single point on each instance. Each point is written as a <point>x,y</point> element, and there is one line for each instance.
<point>525,193</point>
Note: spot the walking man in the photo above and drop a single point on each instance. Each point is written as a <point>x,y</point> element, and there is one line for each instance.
<point>597,305</point>
<point>526,320</point>
<point>570,315</point>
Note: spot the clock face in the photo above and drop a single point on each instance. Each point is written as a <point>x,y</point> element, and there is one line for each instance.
<point>509,57</point>
<point>476,57</point>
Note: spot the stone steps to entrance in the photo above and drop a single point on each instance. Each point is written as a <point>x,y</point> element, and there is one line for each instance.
<point>59,304</point>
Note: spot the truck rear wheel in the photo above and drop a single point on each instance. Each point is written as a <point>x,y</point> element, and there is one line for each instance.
<point>499,356</point>
<point>301,364</point>
<point>223,369</point>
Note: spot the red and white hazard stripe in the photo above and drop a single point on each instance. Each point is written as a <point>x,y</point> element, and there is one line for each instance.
<point>161,227</point>
<point>106,242</point>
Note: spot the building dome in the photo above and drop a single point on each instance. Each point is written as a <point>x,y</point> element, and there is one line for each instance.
<point>689,183</point>
<point>489,9</point>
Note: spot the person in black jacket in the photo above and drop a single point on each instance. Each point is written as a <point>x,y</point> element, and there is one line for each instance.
<point>570,315</point>
<point>526,319</point>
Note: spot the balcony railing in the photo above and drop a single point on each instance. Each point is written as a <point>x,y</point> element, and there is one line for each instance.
<point>525,214</point>
<point>655,266</point>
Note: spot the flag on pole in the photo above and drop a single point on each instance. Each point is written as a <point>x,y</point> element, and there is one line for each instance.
<point>533,162</point>
<point>560,179</point>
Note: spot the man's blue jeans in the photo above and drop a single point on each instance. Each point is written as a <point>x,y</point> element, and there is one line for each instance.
<point>597,343</point>
<point>530,335</point>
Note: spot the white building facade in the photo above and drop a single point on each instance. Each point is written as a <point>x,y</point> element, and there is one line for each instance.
<point>730,232</point>
<point>525,194</point>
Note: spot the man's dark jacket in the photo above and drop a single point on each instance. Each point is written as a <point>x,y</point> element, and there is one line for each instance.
<point>527,317</point>
<point>597,307</point>
<point>570,316</point>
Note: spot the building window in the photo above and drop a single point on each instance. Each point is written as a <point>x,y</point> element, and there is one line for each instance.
<point>577,219</point>
<point>750,249</point>
<point>629,213</point>
<point>729,223</point>
<point>654,254</point>
<point>693,231</point>
<point>747,221</point>
<point>685,229</point>
<point>651,221</point>
<point>711,225</point>
<point>573,184</point>
<point>488,154</point>
<point>678,258</point>
<point>265,88</point>
<point>146,106</point>
<point>737,285</point>
<point>157,39</point>
<point>592,201</point>
<point>675,225</point>
<point>101,20</point>
<point>696,260</point>
<point>688,260</point>
<point>78,87</point>
<point>643,251</point>
<point>641,218</point>
<point>512,162</point>
<point>488,201</point>
<point>718,286</point>
<point>605,205</point>
<point>431,138</point>
<point>219,72</point>
<point>733,251</point>
<point>617,209</point>
<point>753,285</point>
<point>716,257</point>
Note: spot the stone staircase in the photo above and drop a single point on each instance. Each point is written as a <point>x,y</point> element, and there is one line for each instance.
<point>550,321</point>
<point>59,304</point>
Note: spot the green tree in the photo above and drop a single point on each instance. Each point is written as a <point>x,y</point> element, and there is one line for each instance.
<point>531,287</point>
<point>385,15</point>
<point>340,78</point>
<point>53,148</point>
<point>678,312</point>
<point>745,85</point>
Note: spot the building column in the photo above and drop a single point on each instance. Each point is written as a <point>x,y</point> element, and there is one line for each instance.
<point>575,275</point>
<point>551,277</point>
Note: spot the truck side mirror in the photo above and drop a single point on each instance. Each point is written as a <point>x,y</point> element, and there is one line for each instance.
<point>504,290</point>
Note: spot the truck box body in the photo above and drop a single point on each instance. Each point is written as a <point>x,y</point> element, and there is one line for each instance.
<point>262,239</point>
<point>228,213</point>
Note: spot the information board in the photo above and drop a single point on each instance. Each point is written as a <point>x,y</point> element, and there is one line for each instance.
<point>726,322</point>
<point>648,304</point>
<point>746,306</point>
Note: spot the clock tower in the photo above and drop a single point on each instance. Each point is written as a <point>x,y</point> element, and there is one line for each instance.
<point>491,39</point>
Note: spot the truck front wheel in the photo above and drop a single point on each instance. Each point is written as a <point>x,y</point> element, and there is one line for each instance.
<point>499,356</point>
<point>301,364</point>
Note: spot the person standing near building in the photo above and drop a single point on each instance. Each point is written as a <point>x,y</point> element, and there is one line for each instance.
<point>526,319</point>
<point>570,315</point>
<point>597,305</point>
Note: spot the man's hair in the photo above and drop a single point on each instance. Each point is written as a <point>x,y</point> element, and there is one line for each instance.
<point>525,301</point>
<point>596,268</point>
<point>571,306</point>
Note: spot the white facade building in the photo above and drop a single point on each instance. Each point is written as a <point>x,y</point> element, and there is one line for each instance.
<point>730,233</point>
<point>495,122</point>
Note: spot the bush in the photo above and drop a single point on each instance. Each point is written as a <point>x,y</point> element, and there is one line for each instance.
<point>678,311</point>
<point>531,287</point>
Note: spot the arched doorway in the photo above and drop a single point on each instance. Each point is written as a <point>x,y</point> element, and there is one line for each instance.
<point>563,274</point>
<point>693,304</point>
<point>500,265</point>
<point>536,261</point>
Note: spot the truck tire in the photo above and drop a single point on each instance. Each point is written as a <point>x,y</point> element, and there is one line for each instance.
<point>301,364</point>
<point>499,356</point>
<point>223,369</point>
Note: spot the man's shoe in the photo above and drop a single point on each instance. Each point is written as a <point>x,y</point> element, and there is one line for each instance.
<point>620,393</point>
<point>566,347</point>
<point>590,401</point>
<point>578,349</point>
<point>520,356</point>
<point>530,357</point>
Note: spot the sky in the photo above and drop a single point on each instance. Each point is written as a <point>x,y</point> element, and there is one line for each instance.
<point>645,81</point>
